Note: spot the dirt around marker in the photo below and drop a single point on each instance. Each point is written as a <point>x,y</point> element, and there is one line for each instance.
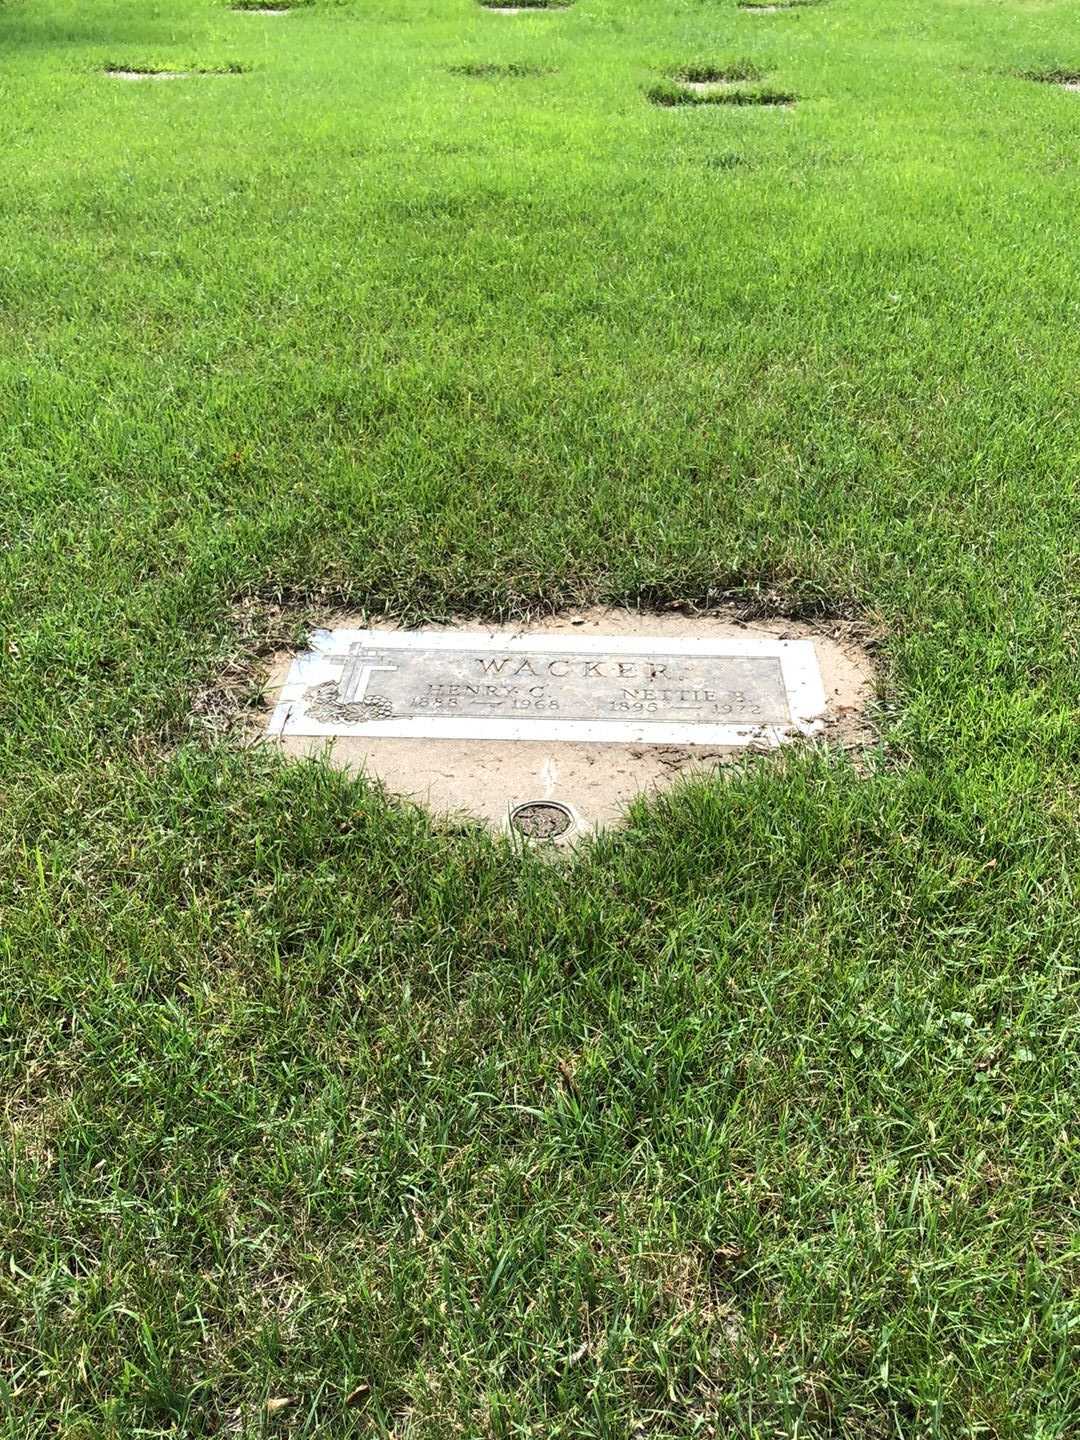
<point>575,715</point>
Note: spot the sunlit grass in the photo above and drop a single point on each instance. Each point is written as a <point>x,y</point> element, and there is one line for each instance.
<point>755,1119</point>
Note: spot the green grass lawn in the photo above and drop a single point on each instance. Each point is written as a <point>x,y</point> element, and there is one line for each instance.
<point>758,1118</point>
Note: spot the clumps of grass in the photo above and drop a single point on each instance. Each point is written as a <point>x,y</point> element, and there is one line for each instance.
<point>525,4</point>
<point>727,161</point>
<point>480,70</point>
<point>704,73</point>
<point>704,82</point>
<point>268,7</point>
<point>672,93</point>
<point>768,7</point>
<point>1067,79</point>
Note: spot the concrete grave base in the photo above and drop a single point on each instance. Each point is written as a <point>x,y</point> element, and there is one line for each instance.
<point>511,763</point>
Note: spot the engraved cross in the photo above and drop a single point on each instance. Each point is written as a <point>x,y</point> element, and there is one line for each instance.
<point>356,677</point>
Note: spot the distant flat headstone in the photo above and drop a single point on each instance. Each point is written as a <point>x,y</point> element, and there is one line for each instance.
<point>461,685</point>
<point>148,74</point>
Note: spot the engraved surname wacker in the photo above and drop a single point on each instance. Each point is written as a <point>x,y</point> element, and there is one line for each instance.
<point>464,684</point>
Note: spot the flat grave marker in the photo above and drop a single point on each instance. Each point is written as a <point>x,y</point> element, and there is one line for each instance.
<point>149,74</point>
<point>553,729</point>
<point>589,688</point>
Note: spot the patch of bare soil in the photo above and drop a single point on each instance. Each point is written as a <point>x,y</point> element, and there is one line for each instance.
<point>489,779</point>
